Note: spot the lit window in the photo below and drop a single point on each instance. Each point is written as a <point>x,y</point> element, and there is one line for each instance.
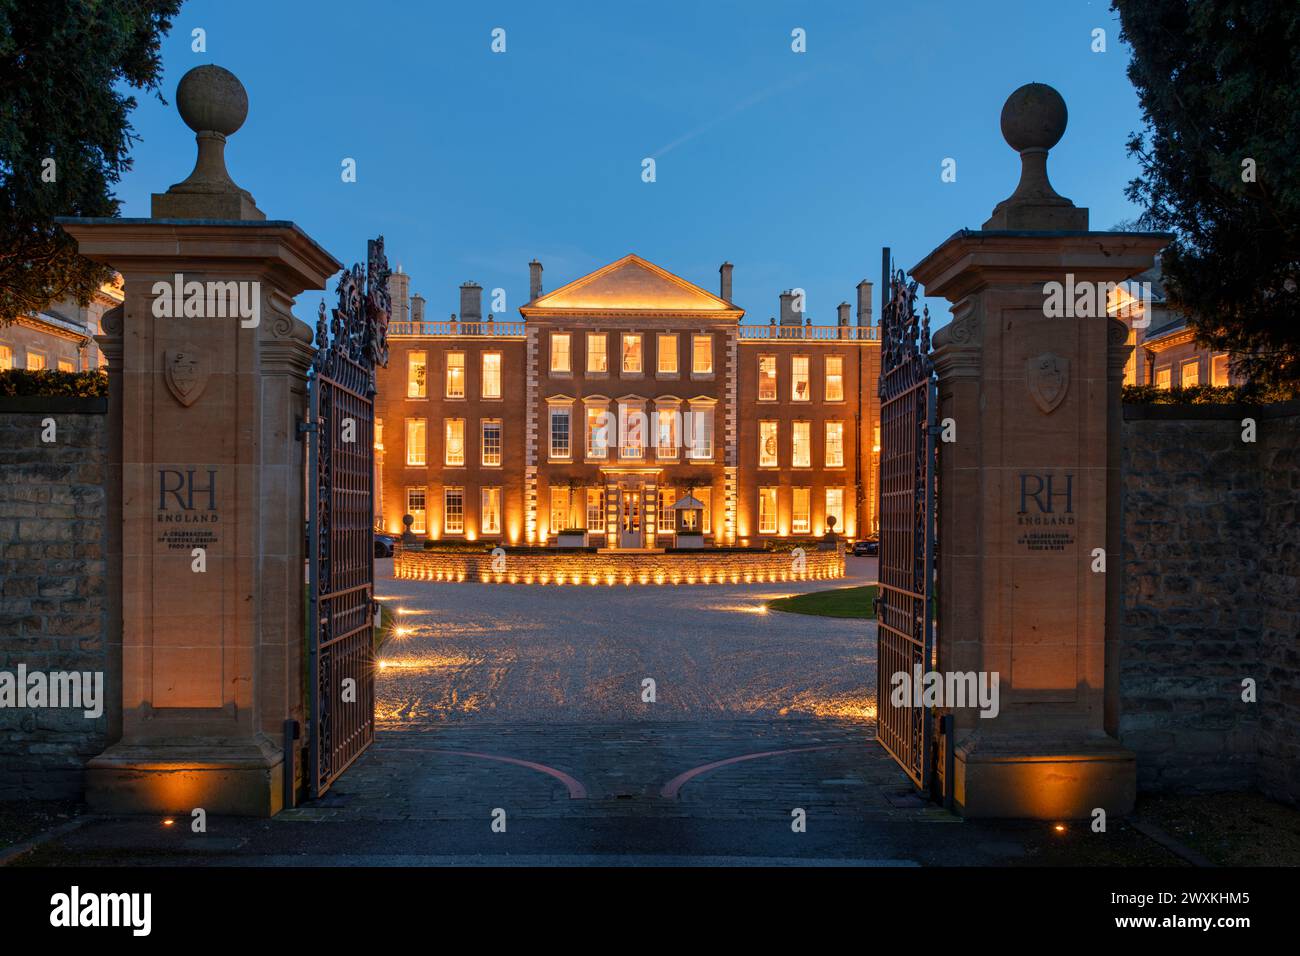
<point>6,357</point>
<point>35,361</point>
<point>416,368</point>
<point>379,433</point>
<point>705,496</point>
<point>415,441</point>
<point>560,446</point>
<point>1220,370</point>
<point>834,444</point>
<point>597,431</point>
<point>597,353</point>
<point>875,437</point>
<point>1130,364</point>
<point>801,445</point>
<point>454,429</point>
<point>767,378</point>
<point>66,365</point>
<point>490,516</point>
<point>667,498</point>
<point>690,522</point>
<point>700,432</point>
<point>767,444</point>
<point>1164,377</point>
<point>560,353</point>
<point>596,509</point>
<point>1191,373</point>
<point>835,508</point>
<point>491,374</point>
<point>453,510</point>
<point>632,354</point>
<point>491,443</point>
<point>631,428</point>
<point>702,354</point>
<point>559,509</point>
<point>834,378</point>
<point>767,511</point>
<point>415,508</point>
<point>667,351</point>
<point>455,374</point>
<point>800,519</point>
<point>799,390</point>
<point>666,433</point>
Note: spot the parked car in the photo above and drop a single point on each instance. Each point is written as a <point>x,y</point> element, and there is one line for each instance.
<point>384,545</point>
<point>868,546</point>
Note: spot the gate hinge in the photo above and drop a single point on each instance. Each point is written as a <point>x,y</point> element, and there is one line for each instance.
<point>304,428</point>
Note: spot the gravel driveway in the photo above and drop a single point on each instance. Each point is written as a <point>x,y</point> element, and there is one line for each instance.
<point>488,652</point>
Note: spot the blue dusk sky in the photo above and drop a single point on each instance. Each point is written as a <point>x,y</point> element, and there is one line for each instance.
<point>797,167</point>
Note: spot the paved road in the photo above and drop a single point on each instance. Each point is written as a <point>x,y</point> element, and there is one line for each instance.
<point>528,701</point>
<point>576,654</point>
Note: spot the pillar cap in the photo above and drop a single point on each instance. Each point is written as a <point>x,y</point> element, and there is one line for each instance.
<point>214,104</point>
<point>1033,120</point>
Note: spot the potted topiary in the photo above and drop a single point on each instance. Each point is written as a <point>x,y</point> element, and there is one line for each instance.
<point>690,521</point>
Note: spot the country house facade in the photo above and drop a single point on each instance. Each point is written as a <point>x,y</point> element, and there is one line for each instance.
<point>618,396</point>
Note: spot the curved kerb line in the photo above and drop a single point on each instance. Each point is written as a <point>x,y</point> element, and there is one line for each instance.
<point>576,790</point>
<point>673,786</point>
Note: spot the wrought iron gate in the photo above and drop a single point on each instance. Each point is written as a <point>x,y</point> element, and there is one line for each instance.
<point>341,471</point>
<point>904,607</point>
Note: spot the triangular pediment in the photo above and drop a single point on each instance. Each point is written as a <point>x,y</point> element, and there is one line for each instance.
<point>630,285</point>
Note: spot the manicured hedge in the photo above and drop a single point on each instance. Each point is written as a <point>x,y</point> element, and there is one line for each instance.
<point>1205,395</point>
<point>18,382</point>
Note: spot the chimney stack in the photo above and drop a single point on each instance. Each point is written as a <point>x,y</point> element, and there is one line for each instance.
<point>788,315</point>
<point>534,280</point>
<point>399,291</point>
<point>417,308</point>
<point>864,303</point>
<point>843,318</point>
<point>725,286</point>
<point>471,302</point>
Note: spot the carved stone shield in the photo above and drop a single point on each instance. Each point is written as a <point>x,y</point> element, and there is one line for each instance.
<point>1047,377</point>
<point>185,371</point>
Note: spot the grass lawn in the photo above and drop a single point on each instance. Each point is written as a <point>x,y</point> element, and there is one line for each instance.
<point>838,602</point>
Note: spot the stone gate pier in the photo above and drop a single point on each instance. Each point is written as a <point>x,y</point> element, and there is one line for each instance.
<point>207,373</point>
<point>1029,489</point>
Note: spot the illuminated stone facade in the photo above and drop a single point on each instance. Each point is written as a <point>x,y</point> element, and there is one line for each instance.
<point>1165,352</point>
<point>616,396</point>
<point>61,337</point>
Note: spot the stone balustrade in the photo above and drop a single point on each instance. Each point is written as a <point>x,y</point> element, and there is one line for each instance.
<point>537,566</point>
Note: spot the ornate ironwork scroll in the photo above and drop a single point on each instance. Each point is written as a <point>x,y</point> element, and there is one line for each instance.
<point>340,526</point>
<point>904,605</point>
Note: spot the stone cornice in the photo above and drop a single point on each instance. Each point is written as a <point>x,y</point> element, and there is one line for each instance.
<point>51,328</point>
<point>278,248</point>
<point>721,317</point>
<point>1164,342</point>
<point>971,259</point>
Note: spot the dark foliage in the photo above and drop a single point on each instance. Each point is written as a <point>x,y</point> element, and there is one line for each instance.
<point>1219,85</point>
<point>61,65</point>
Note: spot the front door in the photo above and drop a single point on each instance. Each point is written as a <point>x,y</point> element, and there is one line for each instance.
<point>629,515</point>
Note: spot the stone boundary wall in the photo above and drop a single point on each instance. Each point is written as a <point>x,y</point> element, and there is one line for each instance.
<point>1210,597</point>
<point>54,517</point>
<point>628,568</point>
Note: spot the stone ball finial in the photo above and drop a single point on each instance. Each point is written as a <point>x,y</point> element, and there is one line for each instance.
<point>1034,117</point>
<point>211,99</point>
